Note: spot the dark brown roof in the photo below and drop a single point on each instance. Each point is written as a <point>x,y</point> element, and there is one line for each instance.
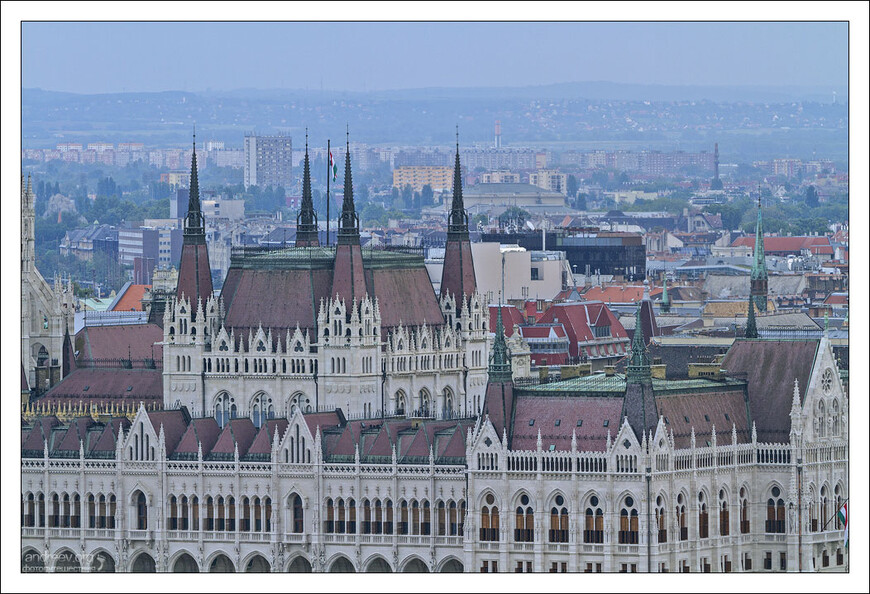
<point>704,411</point>
<point>136,341</point>
<point>174,423</point>
<point>194,274</point>
<point>770,368</point>
<point>275,298</point>
<point>546,410</point>
<point>457,276</point>
<point>498,403</point>
<point>406,296</point>
<point>348,278</point>
<point>113,385</point>
<point>203,431</point>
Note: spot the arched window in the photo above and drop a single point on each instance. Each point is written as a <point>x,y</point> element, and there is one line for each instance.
<point>838,495</point>
<point>340,520</point>
<point>453,526</point>
<point>65,514</point>
<point>351,516</point>
<point>461,519</point>
<point>661,519</point>
<point>426,520</point>
<point>415,517</point>
<point>403,517</point>
<point>54,518</point>
<point>628,518</point>
<point>173,513</point>
<point>221,515</point>
<point>775,523</point>
<point>525,526</point>
<point>378,518</point>
<point>744,512</point>
<point>724,517</point>
<point>103,522</point>
<point>141,512</point>
<point>489,526</point>
<point>823,507</point>
<point>267,512</point>
<point>262,409</point>
<point>681,517</point>
<point>92,511</point>
<point>703,517</point>
<point>185,513</point>
<point>209,514</point>
<point>388,521</point>
<point>194,513</point>
<point>559,521</point>
<point>835,418</point>
<point>224,408</point>
<point>231,514</point>
<point>41,510</point>
<point>258,515</point>
<point>594,529</point>
<point>298,514</point>
<point>330,517</point>
<point>442,519</point>
<point>822,418</point>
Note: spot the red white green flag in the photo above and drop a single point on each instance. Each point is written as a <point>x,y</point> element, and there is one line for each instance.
<point>843,514</point>
<point>333,167</point>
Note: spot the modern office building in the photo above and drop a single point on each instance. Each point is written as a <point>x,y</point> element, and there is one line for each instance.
<point>268,161</point>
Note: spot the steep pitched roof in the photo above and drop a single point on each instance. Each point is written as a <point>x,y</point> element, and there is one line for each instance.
<point>131,298</point>
<point>770,368</point>
<point>138,341</point>
<point>511,316</point>
<point>722,409</point>
<point>591,412</point>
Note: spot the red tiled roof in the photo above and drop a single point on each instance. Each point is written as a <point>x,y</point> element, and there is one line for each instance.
<point>546,410</point>
<point>131,300</point>
<point>510,317</point>
<point>348,278</point>
<point>784,244</point>
<point>498,403</point>
<point>138,341</point>
<point>837,299</point>
<point>204,431</point>
<point>576,319</point>
<point>618,294</point>
<point>174,423</point>
<point>239,432</point>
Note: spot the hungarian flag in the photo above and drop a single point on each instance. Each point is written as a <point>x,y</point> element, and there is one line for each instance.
<point>333,167</point>
<point>843,514</point>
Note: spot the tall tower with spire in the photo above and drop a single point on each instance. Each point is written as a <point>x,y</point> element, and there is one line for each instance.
<point>194,274</point>
<point>758,275</point>
<point>348,280</point>
<point>639,405</point>
<point>499,399</point>
<point>306,220</point>
<point>457,276</point>
<point>716,183</point>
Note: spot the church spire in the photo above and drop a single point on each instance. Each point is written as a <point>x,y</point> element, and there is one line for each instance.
<point>348,225</point>
<point>758,274</point>
<point>194,227</point>
<point>306,220</point>
<point>499,359</point>
<point>638,364</point>
<point>458,219</point>
<point>751,329</point>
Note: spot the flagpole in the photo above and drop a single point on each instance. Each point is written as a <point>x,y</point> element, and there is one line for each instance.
<point>845,501</point>
<point>328,174</point>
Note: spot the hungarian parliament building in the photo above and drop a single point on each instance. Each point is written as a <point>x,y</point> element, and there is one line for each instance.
<point>327,411</point>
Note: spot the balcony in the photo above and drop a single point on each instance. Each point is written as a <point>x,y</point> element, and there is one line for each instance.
<point>139,535</point>
<point>557,547</point>
<point>593,548</point>
<point>32,532</point>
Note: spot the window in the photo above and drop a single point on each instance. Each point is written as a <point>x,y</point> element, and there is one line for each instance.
<point>744,512</point>
<point>703,517</point>
<point>525,524</point>
<point>489,520</point>
<point>559,522</point>
<point>141,512</point>
<point>768,560</point>
<point>489,566</point>
<point>782,561</point>
<point>775,523</point>
<point>298,514</point>
<point>747,562</point>
<point>661,520</point>
<point>519,568</point>
<point>628,519</point>
<point>594,528</point>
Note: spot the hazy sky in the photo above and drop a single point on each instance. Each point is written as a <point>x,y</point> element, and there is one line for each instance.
<point>112,57</point>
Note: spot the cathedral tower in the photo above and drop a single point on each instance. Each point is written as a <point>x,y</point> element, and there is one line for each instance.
<point>639,405</point>
<point>348,280</point>
<point>194,274</point>
<point>457,276</point>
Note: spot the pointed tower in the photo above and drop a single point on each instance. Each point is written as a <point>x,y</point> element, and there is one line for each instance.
<point>28,217</point>
<point>348,280</point>
<point>499,399</point>
<point>666,301</point>
<point>457,276</point>
<point>716,183</point>
<point>306,220</point>
<point>194,274</point>
<point>758,275</point>
<point>639,405</point>
<point>751,329</point>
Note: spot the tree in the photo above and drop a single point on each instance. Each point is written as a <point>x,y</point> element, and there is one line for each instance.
<point>427,196</point>
<point>812,197</point>
<point>572,186</point>
<point>580,201</point>
<point>515,214</point>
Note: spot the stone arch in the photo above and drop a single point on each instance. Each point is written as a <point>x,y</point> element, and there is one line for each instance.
<point>256,563</point>
<point>425,402</point>
<point>515,500</point>
<point>261,408</point>
<point>448,401</point>
<point>65,561</point>
<point>481,499</point>
<point>224,407</point>
<point>586,501</point>
<point>299,564</point>
<point>377,564</point>
<point>451,565</point>
<point>143,562</point>
<point>297,400</point>
<point>341,564</point>
<point>414,564</point>
<point>400,402</point>
<point>220,563</point>
<point>32,561</point>
<point>183,562</point>
<point>103,562</point>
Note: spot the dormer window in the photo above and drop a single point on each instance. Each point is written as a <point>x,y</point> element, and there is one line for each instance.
<point>558,422</point>
<point>607,422</point>
<point>531,422</point>
<point>579,422</point>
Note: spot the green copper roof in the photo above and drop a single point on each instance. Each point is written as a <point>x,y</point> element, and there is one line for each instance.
<point>499,359</point>
<point>638,363</point>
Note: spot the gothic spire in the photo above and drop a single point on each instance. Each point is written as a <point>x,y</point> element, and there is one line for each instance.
<point>306,220</point>
<point>458,220</point>
<point>758,274</point>
<point>638,363</point>
<point>499,360</point>
<point>194,227</point>
<point>751,329</point>
<point>348,226</point>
